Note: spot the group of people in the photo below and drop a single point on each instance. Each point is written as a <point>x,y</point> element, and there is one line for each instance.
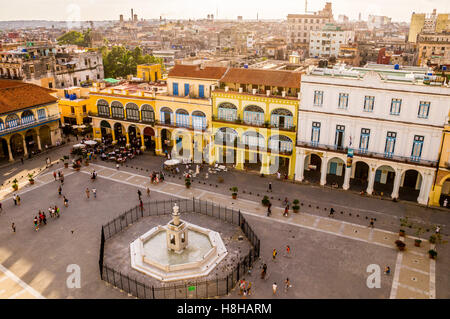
<point>41,218</point>
<point>59,175</point>
<point>244,287</point>
<point>156,177</point>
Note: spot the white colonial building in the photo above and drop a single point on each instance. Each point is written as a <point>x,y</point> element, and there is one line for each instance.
<point>327,41</point>
<point>388,117</point>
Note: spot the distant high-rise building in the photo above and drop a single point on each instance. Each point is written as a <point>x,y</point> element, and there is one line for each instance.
<point>121,18</point>
<point>300,25</point>
<point>428,23</point>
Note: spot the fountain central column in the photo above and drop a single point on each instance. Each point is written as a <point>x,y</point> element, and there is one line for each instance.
<point>176,233</point>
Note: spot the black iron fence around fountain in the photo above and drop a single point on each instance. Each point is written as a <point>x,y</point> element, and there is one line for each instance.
<point>191,289</point>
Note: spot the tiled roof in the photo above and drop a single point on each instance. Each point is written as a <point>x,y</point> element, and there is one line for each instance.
<point>263,77</point>
<point>16,95</point>
<point>195,71</point>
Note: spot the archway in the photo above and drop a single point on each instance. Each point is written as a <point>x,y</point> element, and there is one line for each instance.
<point>119,134</point>
<point>182,118</point>
<point>103,108</point>
<point>134,135</point>
<point>105,129</point>
<point>253,142</point>
<point>445,192</point>
<point>117,110</point>
<point>44,135</point>
<point>16,143</point>
<point>12,120</point>
<point>27,117</point>
<point>313,164</point>
<point>166,115</point>
<point>198,120</point>
<point>281,118</point>
<point>149,139</point>
<point>410,185</point>
<point>166,140</point>
<point>336,171</point>
<point>31,141</point>
<point>384,181</point>
<point>227,112</point>
<point>147,114</point>
<point>4,154</point>
<point>132,112</point>
<point>253,115</point>
<point>360,176</point>
<point>226,136</point>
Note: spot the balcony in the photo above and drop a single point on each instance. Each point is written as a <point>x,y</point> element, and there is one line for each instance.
<point>256,148</point>
<point>20,127</point>
<point>262,125</point>
<point>148,121</point>
<point>369,154</point>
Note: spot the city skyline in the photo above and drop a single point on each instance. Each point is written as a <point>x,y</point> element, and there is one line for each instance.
<point>99,10</point>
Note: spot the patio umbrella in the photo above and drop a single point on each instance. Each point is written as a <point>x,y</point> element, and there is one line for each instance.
<point>171,162</point>
<point>90,142</point>
<point>79,146</point>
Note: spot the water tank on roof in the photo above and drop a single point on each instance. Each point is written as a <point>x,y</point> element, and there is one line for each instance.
<point>397,67</point>
<point>444,68</point>
<point>245,66</point>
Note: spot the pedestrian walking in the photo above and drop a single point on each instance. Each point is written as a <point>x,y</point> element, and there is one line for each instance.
<point>54,175</point>
<point>66,201</point>
<point>286,211</point>
<point>15,199</point>
<point>117,166</point>
<point>148,192</point>
<point>445,202</point>
<point>270,186</point>
<point>287,285</point>
<point>61,179</point>
<point>371,223</point>
<point>139,194</point>
<point>1,208</point>
<point>387,270</point>
<point>242,287</point>
<point>59,190</point>
<point>288,250</point>
<point>274,254</point>
<point>269,209</point>
<point>18,200</point>
<point>13,226</point>
<point>331,213</point>
<point>278,175</point>
<point>36,223</point>
<point>94,191</point>
<point>21,160</point>
<point>249,286</point>
<point>44,218</point>
<point>274,288</point>
<point>141,205</point>
<point>56,211</point>
<point>438,230</point>
<point>87,192</point>
<point>264,271</point>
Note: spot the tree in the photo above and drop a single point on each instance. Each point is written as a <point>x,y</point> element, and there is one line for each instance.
<point>76,38</point>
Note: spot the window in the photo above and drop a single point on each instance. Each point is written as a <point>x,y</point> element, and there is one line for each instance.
<point>182,118</point>
<point>201,91</point>
<point>390,144</point>
<point>175,89</point>
<point>343,101</point>
<point>41,114</point>
<point>72,110</point>
<point>396,106</point>
<point>369,101</point>
<point>416,151</point>
<point>339,137</point>
<point>315,134</point>
<point>186,89</point>
<point>84,108</point>
<point>364,140</point>
<point>227,112</point>
<point>424,109</point>
<point>318,98</point>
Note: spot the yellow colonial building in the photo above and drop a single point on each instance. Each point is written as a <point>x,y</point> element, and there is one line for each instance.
<point>173,119</point>
<point>29,119</point>
<point>149,72</point>
<point>441,187</point>
<point>255,119</point>
<point>73,105</point>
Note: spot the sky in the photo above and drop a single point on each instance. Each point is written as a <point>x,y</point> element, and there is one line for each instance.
<point>83,10</point>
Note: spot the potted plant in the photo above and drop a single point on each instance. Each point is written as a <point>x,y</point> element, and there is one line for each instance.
<point>234,191</point>
<point>418,241</point>
<point>400,245</point>
<point>265,201</point>
<point>295,206</point>
<point>432,239</point>
<point>432,253</point>
<point>187,182</point>
<point>15,184</point>
<point>30,178</point>
<point>86,162</point>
